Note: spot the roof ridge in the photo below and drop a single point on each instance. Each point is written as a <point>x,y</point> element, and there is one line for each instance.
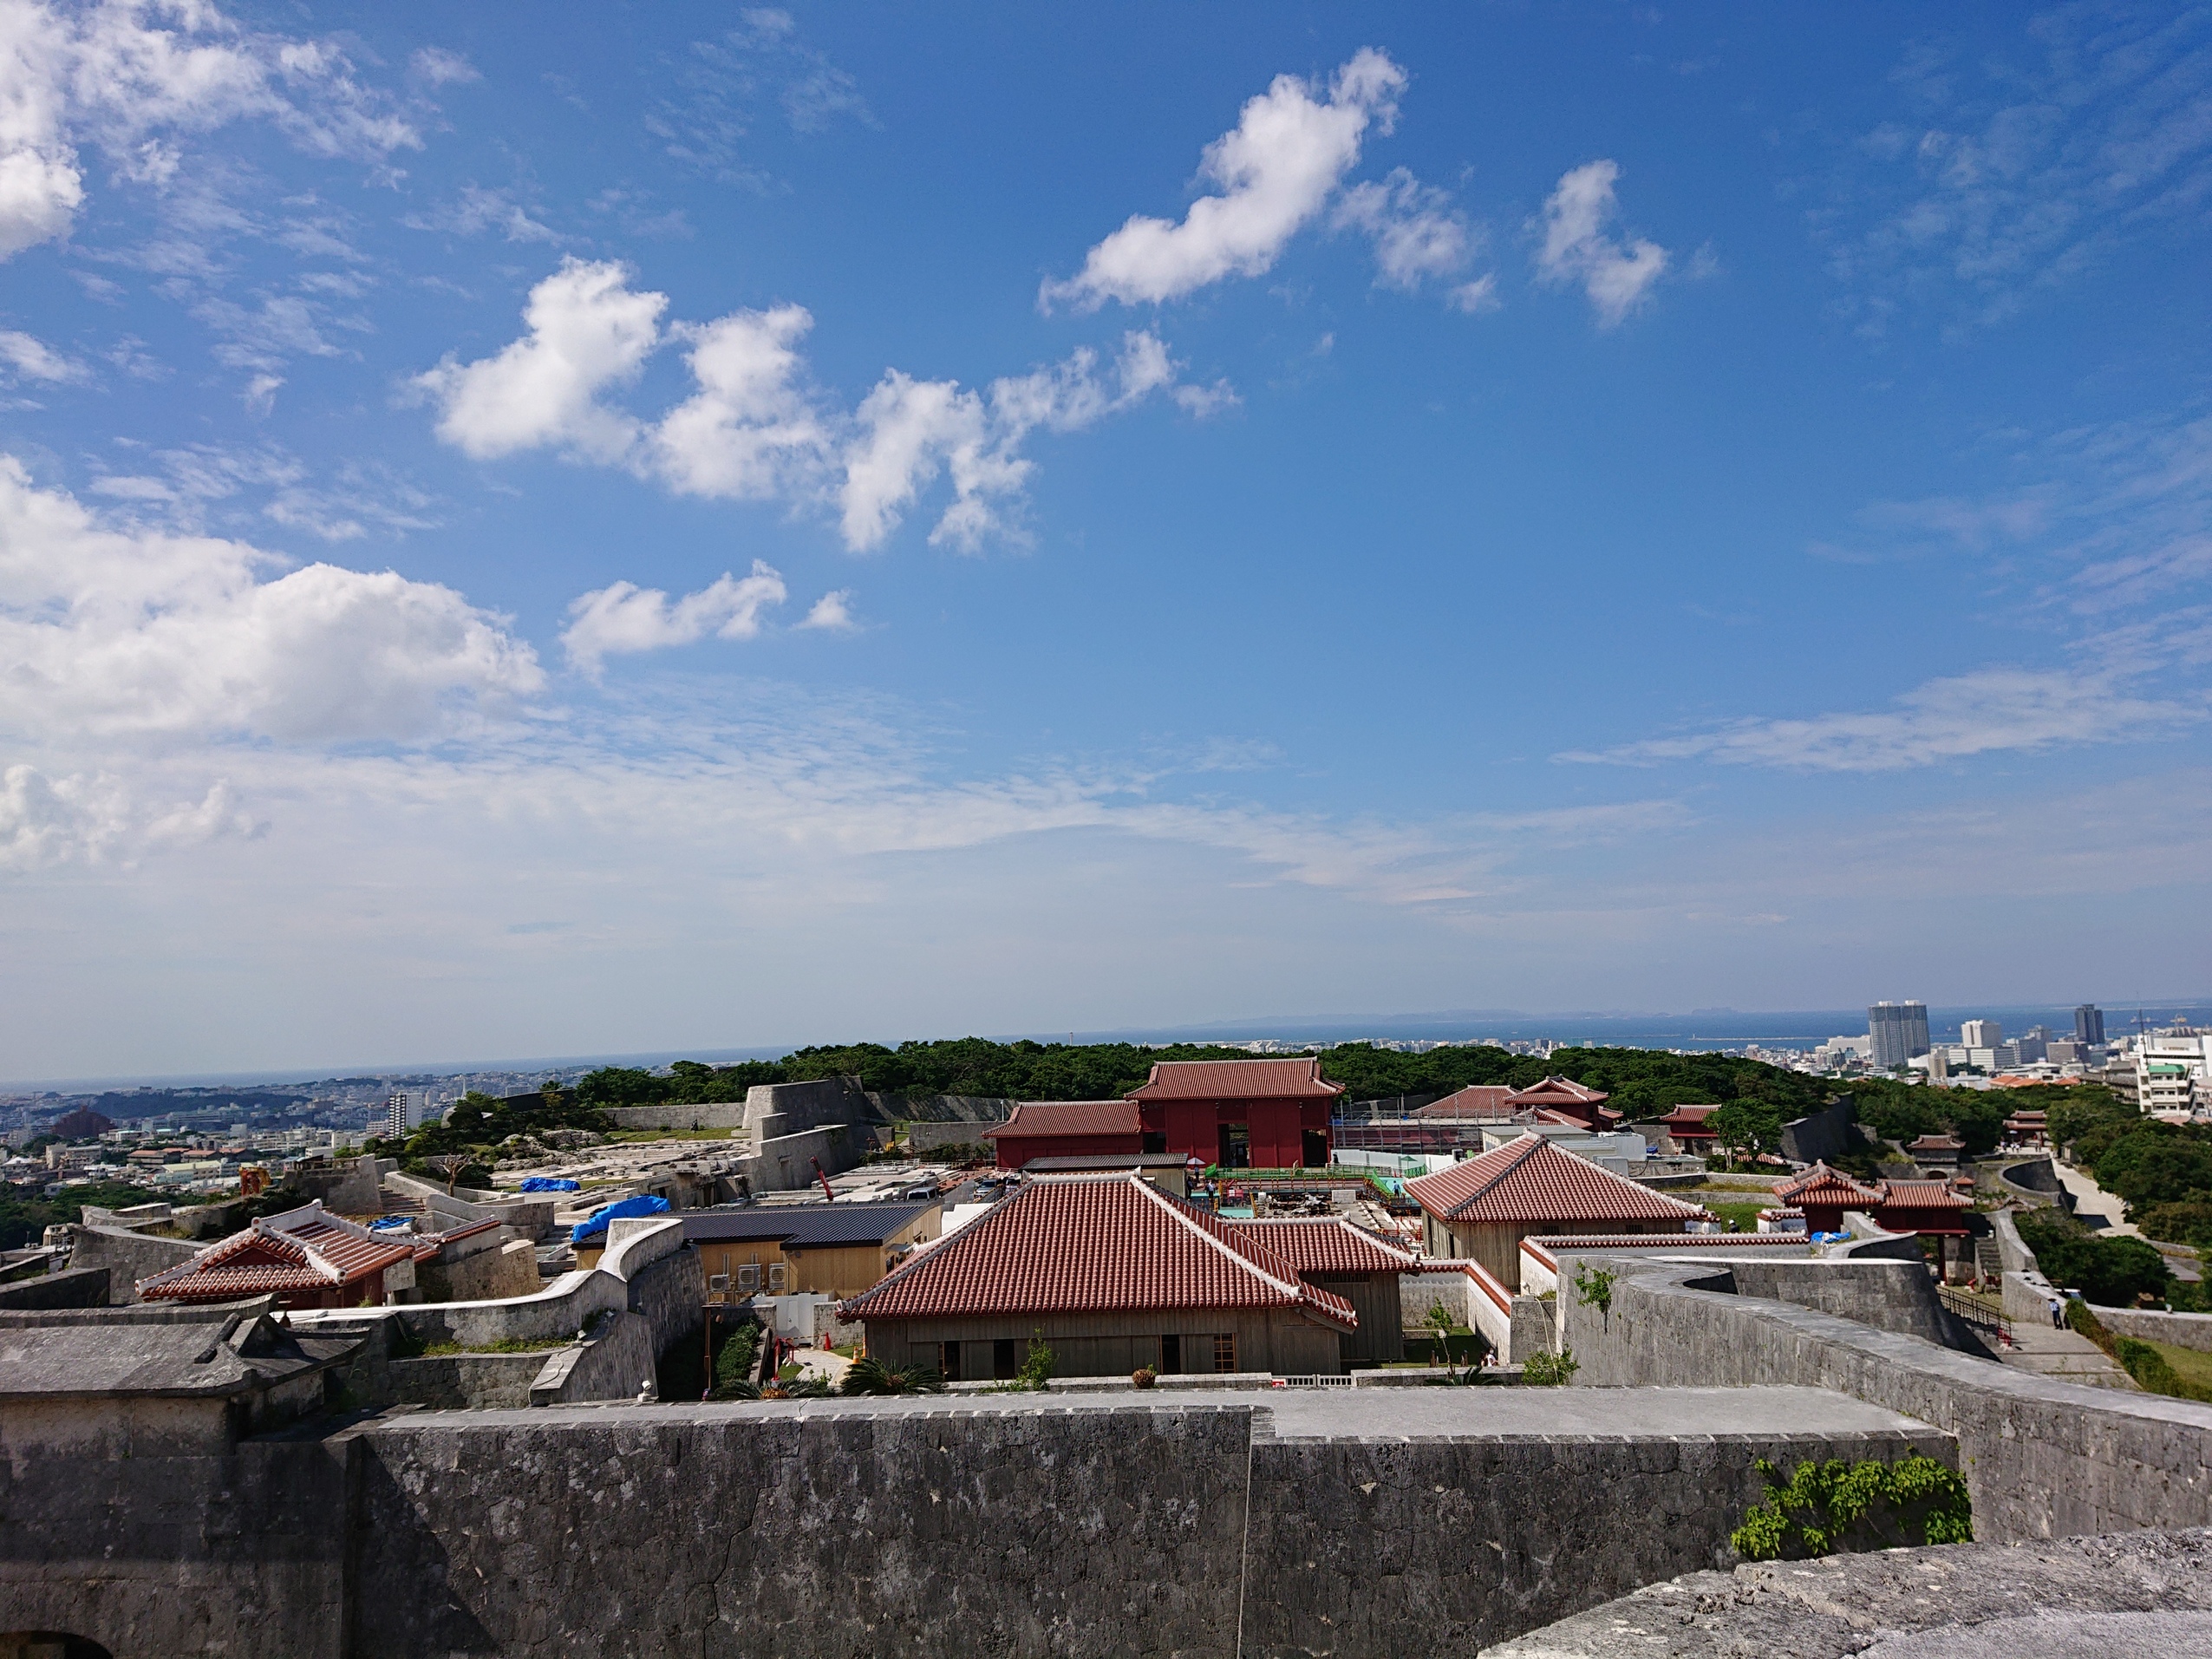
<point>1529,1141</point>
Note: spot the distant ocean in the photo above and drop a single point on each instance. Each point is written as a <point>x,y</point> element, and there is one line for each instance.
<point>1707,1028</point>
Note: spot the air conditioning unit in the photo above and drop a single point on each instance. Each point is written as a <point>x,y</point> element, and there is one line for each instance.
<point>778,1277</point>
<point>748,1278</point>
<point>718,1281</point>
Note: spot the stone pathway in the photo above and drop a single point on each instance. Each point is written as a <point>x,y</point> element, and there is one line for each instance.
<point>2092,1200</point>
<point>823,1362</point>
<point>2063,1355</point>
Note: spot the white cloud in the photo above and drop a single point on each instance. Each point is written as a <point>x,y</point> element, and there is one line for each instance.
<point>478,209</point>
<point>1576,249</point>
<point>1477,297</point>
<point>588,331</point>
<point>122,632</point>
<point>127,75</point>
<point>1199,401</point>
<point>750,431</point>
<point>833,613</point>
<point>1289,150</point>
<point>441,68</point>
<point>624,618</point>
<point>1417,233</point>
<point>755,430</point>
<point>1984,712</point>
<point>33,359</point>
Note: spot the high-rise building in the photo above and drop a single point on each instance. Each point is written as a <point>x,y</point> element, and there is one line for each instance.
<point>402,1111</point>
<point>1895,1032</point>
<point>2089,1023</point>
<point>1982,1033</point>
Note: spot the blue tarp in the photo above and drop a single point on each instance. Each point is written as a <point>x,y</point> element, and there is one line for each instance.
<point>644,1205</point>
<point>382,1222</point>
<point>547,1183</point>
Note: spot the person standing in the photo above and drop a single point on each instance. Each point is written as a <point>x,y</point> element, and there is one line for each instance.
<point>2058,1315</point>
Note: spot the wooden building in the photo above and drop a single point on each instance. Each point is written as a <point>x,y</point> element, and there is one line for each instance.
<point>1240,1114</point>
<point>1067,1129</point>
<point>1112,1274</point>
<point>1482,1209</point>
<point>304,1258</point>
<point>1338,1255</point>
<point>836,1249</point>
<point>1932,1209</point>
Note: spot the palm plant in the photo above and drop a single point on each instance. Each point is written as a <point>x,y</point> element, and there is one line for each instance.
<point>873,1377</point>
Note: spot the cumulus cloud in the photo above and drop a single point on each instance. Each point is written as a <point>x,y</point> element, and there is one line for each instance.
<point>1617,277</point>
<point>625,617</point>
<point>1418,233</point>
<point>833,613</point>
<point>93,818</point>
<point>756,428</point>
<point>750,431</point>
<point>128,76</point>
<point>1291,146</point>
<point>587,330</point>
<point>124,631</point>
<point>1991,710</point>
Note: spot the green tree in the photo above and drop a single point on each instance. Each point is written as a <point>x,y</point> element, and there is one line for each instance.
<point>1747,1128</point>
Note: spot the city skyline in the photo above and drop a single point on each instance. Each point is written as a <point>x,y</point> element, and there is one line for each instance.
<point>749,526</point>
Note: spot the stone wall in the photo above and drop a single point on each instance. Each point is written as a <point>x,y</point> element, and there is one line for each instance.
<point>719,1114</point>
<point>72,1287</point>
<point>501,1273</point>
<point>2043,1458</point>
<point>129,1256</point>
<point>615,1362</point>
<point>2181,1329</point>
<point>464,1381</point>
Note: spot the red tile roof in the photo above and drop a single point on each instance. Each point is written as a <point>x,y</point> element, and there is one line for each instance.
<point>1822,1185</point>
<point>1477,1100</point>
<point>1922,1195</point>
<point>1110,1245</point>
<point>1554,1090</point>
<point>1936,1143</point>
<point>1692,1115</point>
<point>306,1248</point>
<point>1530,1179</point>
<point>1236,1079</point>
<point>1331,1247</point>
<point>1040,1119</point>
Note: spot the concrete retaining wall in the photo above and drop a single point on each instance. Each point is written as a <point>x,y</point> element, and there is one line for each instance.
<point>2043,1458</point>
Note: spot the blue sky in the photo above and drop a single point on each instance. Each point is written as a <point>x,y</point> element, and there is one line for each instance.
<point>601,529</point>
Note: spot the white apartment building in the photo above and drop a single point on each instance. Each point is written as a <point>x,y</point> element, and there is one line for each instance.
<point>1981,1034</point>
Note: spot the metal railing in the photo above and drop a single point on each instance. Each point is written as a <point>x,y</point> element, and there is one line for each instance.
<point>1982,1312</point>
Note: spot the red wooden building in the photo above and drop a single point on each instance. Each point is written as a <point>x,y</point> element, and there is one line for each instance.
<point>1239,1114</point>
<point>1930,1208</point>
<point>306,1258</point>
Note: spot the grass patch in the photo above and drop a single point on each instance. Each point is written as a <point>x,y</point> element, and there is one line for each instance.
<point>504,1345</point>
<point>1745,1216</point>
<point>2189,1364</point>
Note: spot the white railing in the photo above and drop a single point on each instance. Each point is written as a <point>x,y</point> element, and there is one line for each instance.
<point>1313,1382</point>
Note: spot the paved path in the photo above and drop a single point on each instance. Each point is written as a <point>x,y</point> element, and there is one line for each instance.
<point>2064,1355</point>
<point>2091,1199</point>
<point>1362,1414</point>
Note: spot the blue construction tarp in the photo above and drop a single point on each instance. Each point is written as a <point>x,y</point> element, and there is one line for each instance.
<point>547,1183</point>
<point>643,1204</point>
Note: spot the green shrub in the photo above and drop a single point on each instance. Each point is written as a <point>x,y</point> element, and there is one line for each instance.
<point>1544,1369</point>
<point>2152,1371</point>
<point>873,1377</point>
<point>2112,1272</point>
<point>1037,1364</point>
<point>1824,1507</point>
<point>733,1366</point>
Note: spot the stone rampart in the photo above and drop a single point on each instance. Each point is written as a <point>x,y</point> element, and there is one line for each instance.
<point>129,1256</point>
<point>1355,1524</point>
<point>2043,1458</point>
<point>670,1114</point>
<point>2192,1331</point>
<point>72,1287</point>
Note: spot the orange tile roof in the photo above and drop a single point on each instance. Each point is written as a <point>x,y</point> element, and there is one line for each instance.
<point>1107,1244</point>
<point>1041,1119</point>
<point>308,1249</point>
<point>1557,1088</point>
<point>1327,1245</point>
<point>1236,1079</point>
<point>1922,1195</point>
<point>1530,1179</point>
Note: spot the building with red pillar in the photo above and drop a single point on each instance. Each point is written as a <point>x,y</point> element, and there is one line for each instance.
<point>1240,1114</point>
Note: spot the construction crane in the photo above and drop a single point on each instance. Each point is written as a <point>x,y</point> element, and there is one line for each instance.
<point>823,1179</point>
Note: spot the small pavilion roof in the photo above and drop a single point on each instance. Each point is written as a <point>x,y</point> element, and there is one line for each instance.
<point>1823,1187</point>
<point>1530,1179</point>
<point>307,1249</point>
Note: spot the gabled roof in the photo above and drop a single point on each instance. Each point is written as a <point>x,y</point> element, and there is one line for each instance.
<point>1530,1179</point>
<point>1692,1117</point>
<point>1554,1091</point>
<point>1040,1118</point>
<point>307,1249</point>
<point>1824,1186</point>
<point>1936,1143</point>
<point>1236,1079</point>
<point>1102,1244</point>
<point>1486,1101</point>
<point>1329,1245</point>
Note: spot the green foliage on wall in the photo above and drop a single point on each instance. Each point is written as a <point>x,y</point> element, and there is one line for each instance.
<point>1544,1369</point>
<point>1826,1507</point>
